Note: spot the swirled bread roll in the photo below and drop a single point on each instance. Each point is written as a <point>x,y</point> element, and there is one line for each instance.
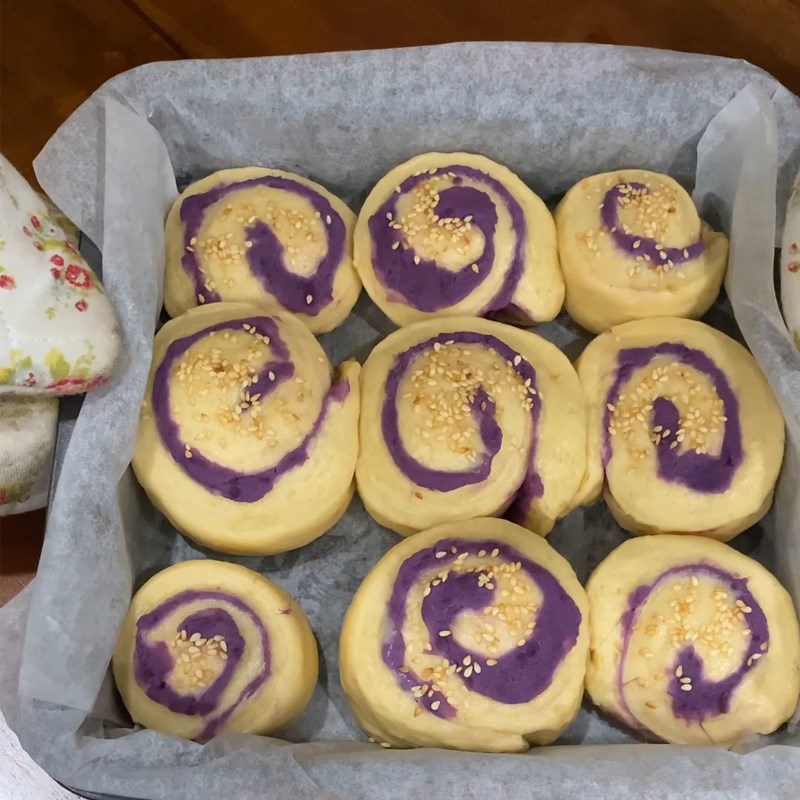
<point>457,233</point>
<point>209,647</point>
<point>247,442</point>
<point>464,417</point>
<point>262,236</point>
<point>685,435</point>
<point>471,635</point>
<point>691,641</point>
<point>632,246</point>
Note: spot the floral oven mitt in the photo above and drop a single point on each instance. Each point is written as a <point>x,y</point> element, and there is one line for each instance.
<point>57,329</point>
<point>57,336</point>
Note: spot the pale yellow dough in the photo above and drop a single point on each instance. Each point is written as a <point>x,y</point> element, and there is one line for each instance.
<point>539,294</point>
<point>696,605</point>
<point>437,430</point>
<point>305,501</point>
<point>292,651</point>
<point>606,286</point>
<point>641,501</point>
<point>221,247</point>
<point>392,714</point>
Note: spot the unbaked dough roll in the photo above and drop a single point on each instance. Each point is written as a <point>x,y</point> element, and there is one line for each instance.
<point>247,441</point>
<point>209,648</point>
<point>691,641</point>
<point>262,236</point>
<point>472,636</point>
<point>463,417</point>
<point>685,435</point>
<point>632,246</point>
<point>456,233</point>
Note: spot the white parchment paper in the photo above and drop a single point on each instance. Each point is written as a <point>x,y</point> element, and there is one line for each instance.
<point>553,113</point>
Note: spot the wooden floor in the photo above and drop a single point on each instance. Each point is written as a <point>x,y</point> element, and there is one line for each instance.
<point>54,53</point>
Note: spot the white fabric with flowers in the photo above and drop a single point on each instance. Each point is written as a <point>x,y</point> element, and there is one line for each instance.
<point>58,332</point>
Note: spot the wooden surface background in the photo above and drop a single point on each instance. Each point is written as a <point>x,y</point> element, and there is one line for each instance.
<point>54,53</point>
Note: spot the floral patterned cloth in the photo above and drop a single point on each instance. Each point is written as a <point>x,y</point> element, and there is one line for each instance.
<point>27,440</point>
<point>57,329</point>
<point>790,264</point>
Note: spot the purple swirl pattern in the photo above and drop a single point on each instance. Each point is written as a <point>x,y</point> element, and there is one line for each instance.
<point>514,677</point>
<point>266,256</point>
<point>698,471</point>
<point>633,244</point>
<point>693,696</point>
<point>156,664</point>
<point>421,282</point>
<point>217,478</point>
<point>483,413</point>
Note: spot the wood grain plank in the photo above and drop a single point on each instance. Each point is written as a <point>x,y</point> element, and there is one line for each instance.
<point>764,32</point>
<point>54,54</point>
<point>21,538</point>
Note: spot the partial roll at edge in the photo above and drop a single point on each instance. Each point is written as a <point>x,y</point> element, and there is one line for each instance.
<point>463,417</point>
<point>247,439</point>
<point>457,233</point>
<point>472,636</point>
<point>685,435</point>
